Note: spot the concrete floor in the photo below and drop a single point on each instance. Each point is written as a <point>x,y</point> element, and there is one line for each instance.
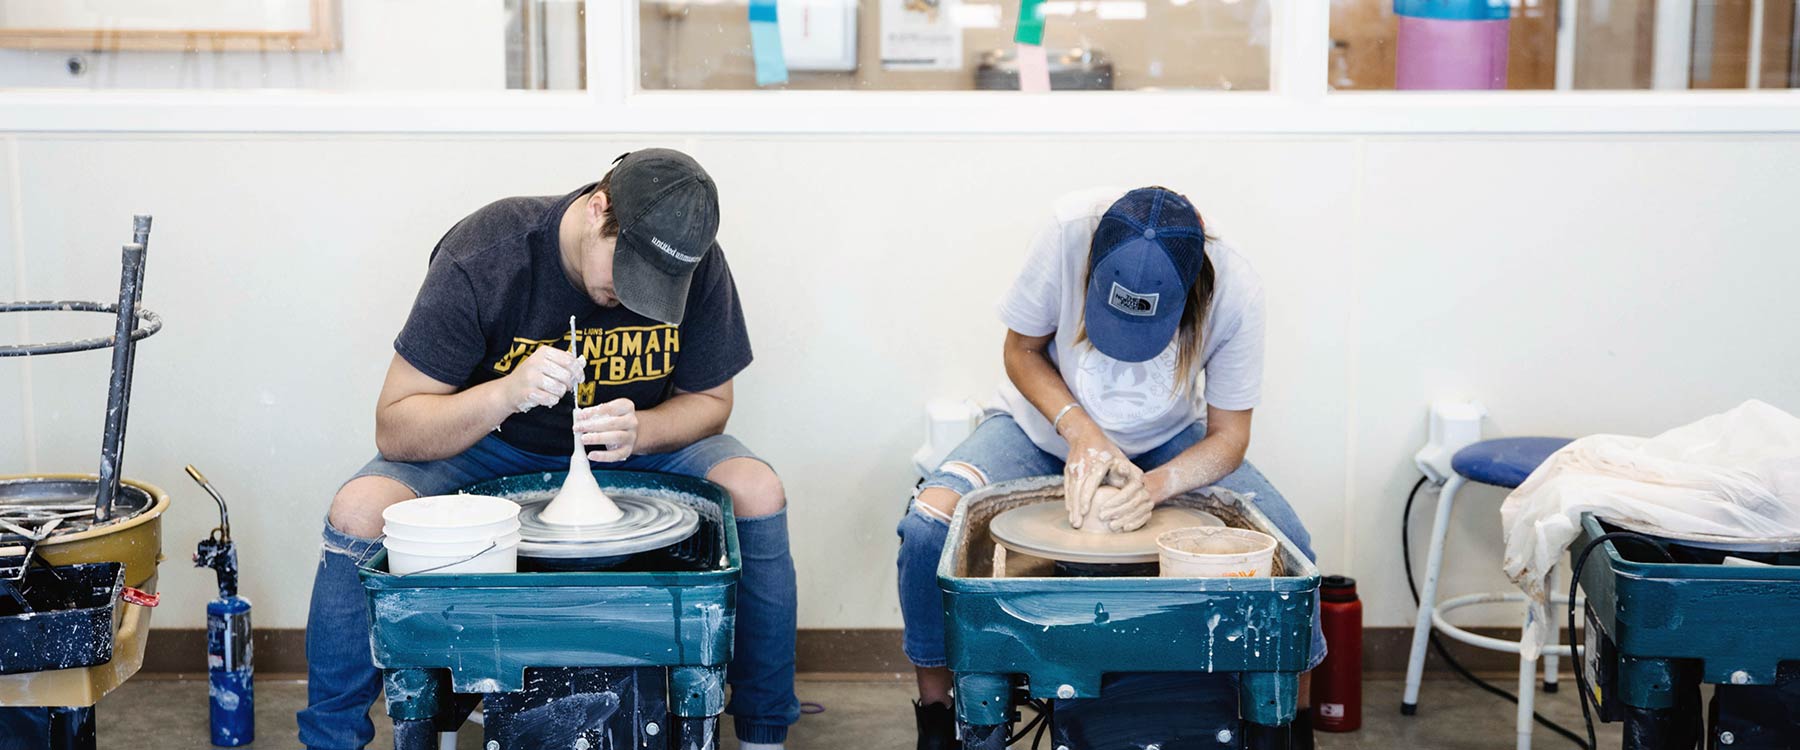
<point>871,712</point>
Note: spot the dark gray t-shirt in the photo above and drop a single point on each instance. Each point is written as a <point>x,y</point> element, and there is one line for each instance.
<point>496,291</point>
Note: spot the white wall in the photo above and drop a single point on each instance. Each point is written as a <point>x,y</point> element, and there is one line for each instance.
<point>1574,285</point>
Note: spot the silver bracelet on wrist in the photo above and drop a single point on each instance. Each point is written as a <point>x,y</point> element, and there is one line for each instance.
<point>1056,424</point>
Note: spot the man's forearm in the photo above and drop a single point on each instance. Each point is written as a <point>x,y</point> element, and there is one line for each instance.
<point>428,427</point>
<point>681,421</point>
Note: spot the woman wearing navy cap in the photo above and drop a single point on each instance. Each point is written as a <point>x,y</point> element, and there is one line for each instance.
<point>1133,359</point>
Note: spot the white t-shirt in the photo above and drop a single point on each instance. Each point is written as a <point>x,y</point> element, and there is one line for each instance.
<point>1136,403</point>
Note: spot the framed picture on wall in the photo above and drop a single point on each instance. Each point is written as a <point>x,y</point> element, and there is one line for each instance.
<point>170,25</point>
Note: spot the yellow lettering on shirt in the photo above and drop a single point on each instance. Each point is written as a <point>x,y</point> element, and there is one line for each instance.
<point>615,356</point>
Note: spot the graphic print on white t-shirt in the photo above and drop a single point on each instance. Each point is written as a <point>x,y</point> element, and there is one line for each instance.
<point>1124,395</point>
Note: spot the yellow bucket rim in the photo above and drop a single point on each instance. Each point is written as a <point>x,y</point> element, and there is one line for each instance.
<point>159,504</point>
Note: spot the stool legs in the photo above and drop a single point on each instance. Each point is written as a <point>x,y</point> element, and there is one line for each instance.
<point>1550,658</point>
<point>1528,668</point>
<point>1415,664</point>
<point>1527,696</point>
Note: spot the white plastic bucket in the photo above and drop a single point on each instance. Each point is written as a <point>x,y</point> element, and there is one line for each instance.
<point>1215,552</point>
<point>451,518</point>
<point>460,533</point>
<point>429,558</point>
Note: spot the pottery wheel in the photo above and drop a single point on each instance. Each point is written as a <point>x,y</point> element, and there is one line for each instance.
<point>1713,541</point>
<point>1043,530</point>
<point>649,523</point>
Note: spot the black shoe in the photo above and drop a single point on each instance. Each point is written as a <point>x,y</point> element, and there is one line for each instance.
<point>1301,738</point>
<point>937,727</point>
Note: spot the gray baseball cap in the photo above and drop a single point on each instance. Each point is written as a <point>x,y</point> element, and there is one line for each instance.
<point>668,212</point>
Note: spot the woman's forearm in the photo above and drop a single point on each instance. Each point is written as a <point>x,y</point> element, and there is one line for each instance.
<point>1202,465</point>
<point>1029,368</point>
<point>1206,462</point>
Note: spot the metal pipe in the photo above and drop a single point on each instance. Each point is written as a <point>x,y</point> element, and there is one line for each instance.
<point>541,38</point>
<point>140,236</point>
<point>118,390</point>
<point>1794,49</point>
<point>1673,48</point>
<point>1568,17</point>
<point>149,324</point>
<point>1753,77</point>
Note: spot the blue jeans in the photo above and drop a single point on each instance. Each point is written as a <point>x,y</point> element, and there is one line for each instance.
<point>998,452</point>
<point>342,680</point>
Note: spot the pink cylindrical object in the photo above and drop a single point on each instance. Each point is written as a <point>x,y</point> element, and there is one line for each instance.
<point>1433,53</point>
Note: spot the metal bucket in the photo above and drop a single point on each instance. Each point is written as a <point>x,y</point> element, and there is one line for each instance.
<point>133,538</point>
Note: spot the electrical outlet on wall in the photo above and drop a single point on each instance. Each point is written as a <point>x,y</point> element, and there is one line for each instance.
<point>1453,426</point>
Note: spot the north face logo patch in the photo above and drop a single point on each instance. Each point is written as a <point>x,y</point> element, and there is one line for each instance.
<point>1131,303</point>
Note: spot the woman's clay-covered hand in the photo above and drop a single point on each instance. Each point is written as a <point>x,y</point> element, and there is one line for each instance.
<point>1093,461</point>
<point>1126,509</point>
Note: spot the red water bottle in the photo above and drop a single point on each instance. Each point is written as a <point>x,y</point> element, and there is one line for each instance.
<point>1337,683</point>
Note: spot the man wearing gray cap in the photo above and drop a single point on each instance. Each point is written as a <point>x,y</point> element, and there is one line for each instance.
<point>477,390</point>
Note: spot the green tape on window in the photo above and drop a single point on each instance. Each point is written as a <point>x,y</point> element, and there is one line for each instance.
<point>1031,22</point>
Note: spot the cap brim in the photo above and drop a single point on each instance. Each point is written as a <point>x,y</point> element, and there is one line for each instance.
<point>1126,338</point>
<point>647,290</point>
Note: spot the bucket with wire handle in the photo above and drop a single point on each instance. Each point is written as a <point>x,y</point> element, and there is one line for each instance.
<point>452,534</point>
<point>1215,552</point>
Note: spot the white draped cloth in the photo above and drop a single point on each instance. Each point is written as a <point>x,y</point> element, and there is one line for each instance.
<point>1731,476</point>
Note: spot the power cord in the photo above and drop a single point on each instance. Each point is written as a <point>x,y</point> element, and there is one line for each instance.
<point>1581,685</point>
<point>1039,721</point>
<point>1456,666</point>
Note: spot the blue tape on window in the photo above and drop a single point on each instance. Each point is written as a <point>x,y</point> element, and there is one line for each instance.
<point>765,43</point>
<point>762,11</point>
<point>1455,10</point>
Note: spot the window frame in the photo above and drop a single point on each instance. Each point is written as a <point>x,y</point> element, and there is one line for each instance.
<point>1298,101</point>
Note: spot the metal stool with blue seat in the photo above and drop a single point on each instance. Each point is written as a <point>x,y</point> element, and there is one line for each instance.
<point>1504,462</point>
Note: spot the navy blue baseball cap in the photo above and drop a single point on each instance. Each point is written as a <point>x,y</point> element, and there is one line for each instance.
<point>1146,254</point>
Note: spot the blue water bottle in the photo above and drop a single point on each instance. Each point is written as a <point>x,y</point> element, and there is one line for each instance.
<point>228,651</point>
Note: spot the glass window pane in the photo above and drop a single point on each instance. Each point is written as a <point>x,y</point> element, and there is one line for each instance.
<point>1612,44</point>
<point>954,45</point>
<point>462,45</point>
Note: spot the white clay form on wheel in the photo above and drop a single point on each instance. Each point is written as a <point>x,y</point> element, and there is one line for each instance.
<point>580,501</point>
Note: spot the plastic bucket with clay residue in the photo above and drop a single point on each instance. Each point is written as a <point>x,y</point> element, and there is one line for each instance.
<point>406,557</point>
<point>452,534</point>
<point>1215,552</point>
